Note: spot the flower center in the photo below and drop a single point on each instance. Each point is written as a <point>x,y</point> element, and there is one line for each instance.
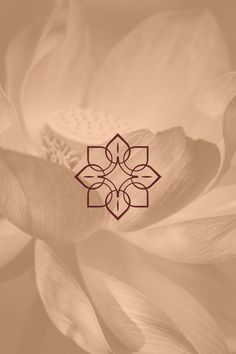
<point>68,133</point>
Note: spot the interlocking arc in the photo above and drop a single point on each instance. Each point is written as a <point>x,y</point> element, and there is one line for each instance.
<point>120,172</point>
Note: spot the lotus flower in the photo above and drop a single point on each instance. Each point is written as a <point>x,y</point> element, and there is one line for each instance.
<point>150,282</point>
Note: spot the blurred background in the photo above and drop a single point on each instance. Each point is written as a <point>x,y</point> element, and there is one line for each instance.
<point>17,295</point>
<point>15,15</point>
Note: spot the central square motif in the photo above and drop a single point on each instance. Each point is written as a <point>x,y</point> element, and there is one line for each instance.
<point>121,175</point>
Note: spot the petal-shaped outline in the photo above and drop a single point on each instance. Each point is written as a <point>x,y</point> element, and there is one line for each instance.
<point>125,198</point>
<point>117,139</point>
<point>94,168</point>
<point>102,195</point>
<point>116,159</point>
<point>105,165</point>
<point>141,191</point>
<point>145,177</point>
<point>134,150</point>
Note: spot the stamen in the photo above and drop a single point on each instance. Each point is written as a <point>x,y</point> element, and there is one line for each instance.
<point>68,132</point>
<point>56,150</point>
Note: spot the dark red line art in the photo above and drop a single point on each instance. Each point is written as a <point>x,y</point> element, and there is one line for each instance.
<point>123,180</point>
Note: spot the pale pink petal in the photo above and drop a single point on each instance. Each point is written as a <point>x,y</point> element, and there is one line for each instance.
<point>60,66</point>
<point>131,296</point>
<point>66,302</point>
<point>44,199</point>
<point>12,241</point>
<point>141,78</point>
<point>203,232</point>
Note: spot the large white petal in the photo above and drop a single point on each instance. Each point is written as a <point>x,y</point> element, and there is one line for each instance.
<point>120,266</point>
<point>43,199</point>
<point>134,318</point>
<point>66,302</point>
<point>218,101</point>
<point>18,58</point>
<point>11,136</point>
<point>12,241</point>
<point>203,232</point>
<point>186,167</point>
<point>154,74</point>
<point>59,68</point>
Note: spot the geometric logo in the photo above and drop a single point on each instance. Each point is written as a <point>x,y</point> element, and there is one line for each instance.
<point>121,175</point>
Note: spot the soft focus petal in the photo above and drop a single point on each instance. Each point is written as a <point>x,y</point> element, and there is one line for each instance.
<point>18,58</point>
<point>60,66</point>
<point>143,156</point>
<point>230,176</point>
<point>226,140</point>
<point>141,78</point>
<point>12,241</point>
<point>144,177</point>
<point>66,303</point>
<point>91,176</point>
<point>186,167</point>
<point>118,304</point>
<point>44,199</point>
<point>139,324</point>
<point>203,232</point>
<point>11,136</point>
<point>97,154</point>
<point>214,291</point>
<point>217,100</point>
<point>228,271</point>
<point>213,98</point>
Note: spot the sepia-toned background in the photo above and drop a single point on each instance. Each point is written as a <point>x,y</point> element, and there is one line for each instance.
<point>18,295</point>
<point>15,15</point>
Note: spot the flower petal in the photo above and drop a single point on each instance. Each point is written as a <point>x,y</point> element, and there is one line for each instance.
<point>66,303</point>
<point>186,167</point>
<point>93,200</point>
<point>117,203</point>
<point>117,149</point>
<point>11,136</point>
<point>18,59</point>
<point>97,155</point>
<point>12,242</point>
<point>142,152</point>
<point>203,232</point>
<point>44,199</point>
<point>213,98</point>
<point>141,78</point>
<point>136,321</point>
<point>91,176</point>
<point>217,100</point>
<point>132,296</point>
<point>138,198</point>
<point>60,66</point>
<point>144,176</point>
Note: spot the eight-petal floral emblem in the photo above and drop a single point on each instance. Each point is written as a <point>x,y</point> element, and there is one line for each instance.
<point>121,173</point>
